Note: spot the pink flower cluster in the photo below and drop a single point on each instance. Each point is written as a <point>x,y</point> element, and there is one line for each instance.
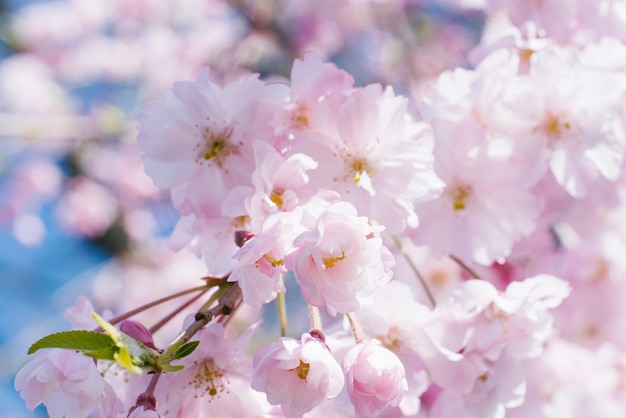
<point>463,259</point>
<point>249,156</point>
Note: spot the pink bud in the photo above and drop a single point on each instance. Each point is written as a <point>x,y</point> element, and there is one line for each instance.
<point>375,378</point>
<point>142,412</point>
<point>138,331</point>
<point>241,237</point>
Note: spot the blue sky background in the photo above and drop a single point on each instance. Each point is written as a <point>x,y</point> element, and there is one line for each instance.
<point>36,285</point>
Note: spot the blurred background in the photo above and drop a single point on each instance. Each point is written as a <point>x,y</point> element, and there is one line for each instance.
<point>77,214</point>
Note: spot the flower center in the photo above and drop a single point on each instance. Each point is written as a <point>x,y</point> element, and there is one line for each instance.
<point>524,55</point>
<point>299,117</point>
<point>215,146</point>
<point>331,261</point>
<point>303,370</point>
<point>209,380</point>
<point>277,197</point>
<point>460,195</point>
<point>554,126</point>
<point>359,167</point>
<point>392,340</point>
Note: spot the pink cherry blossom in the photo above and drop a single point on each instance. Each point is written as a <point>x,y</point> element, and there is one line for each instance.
<point>298,375</point>
<point>476,217</point>
<point>202,132</point>
<point>215,380</point>
<point>280,185</point>
<point>79,315</point>
<point>398,321</point>
<point>572,115</point>
<point>260,263</point>
<point>336,264</point>
<point>514,177</point>
<point>374,378</point>
<point>212,239</point>
<point>592,388</point>
<point>68,383</point>
<point>521,42</point>
<point>312,81</point>
<point>370,143</point>
<point>88,208</point>
<point>494,332</point>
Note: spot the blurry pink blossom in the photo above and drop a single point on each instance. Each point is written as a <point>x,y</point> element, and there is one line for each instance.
<point>87,208</point>
<point>68,384</point>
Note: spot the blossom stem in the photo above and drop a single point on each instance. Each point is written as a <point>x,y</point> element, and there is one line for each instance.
<point>282,314</point>
<point>316,320</point>
<point>417,273</point>
<point>356,327</point>
<point>215,296</point>
<point>178,310</point>
<point>225,306</point>
<point>465,267</point>
<point>224,319</point>
<point>147,306</point>
<point>147,400</point>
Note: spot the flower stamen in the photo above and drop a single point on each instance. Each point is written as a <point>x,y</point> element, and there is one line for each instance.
<point>303,370</point>
<point>331,261</point>
<point>209,380</point>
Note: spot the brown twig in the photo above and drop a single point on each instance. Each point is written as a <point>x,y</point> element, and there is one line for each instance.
<point>147,306</point>
<point>225,306</point>
<point>465,267</point>
<point>417,273</point>
<point>178,310</point>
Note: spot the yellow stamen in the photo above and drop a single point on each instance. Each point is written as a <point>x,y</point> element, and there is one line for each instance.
<point>330,262</point>
<point>274,262</point>
<point>276,197</point>
<point>299,118</point>
<point>215,146</point>
<point>525,54</point>
<point>303,370</point>
<point>459,199</point>
<point>209,379</point>
<point>240,222</point>
<point>554,126</point>
<point>214,149</point>
<point>358,167</point>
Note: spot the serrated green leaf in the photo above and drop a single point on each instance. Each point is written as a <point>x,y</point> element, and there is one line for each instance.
<point>81,340</point>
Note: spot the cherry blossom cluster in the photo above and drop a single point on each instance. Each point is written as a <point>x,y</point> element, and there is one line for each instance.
<point>309,180</point>
<point>456,255</point>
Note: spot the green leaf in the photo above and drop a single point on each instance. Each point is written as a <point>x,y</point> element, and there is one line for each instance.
<point>185,350</point>
<point>168,368</point>
<point>81,340</point>
<point>105,354</point>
